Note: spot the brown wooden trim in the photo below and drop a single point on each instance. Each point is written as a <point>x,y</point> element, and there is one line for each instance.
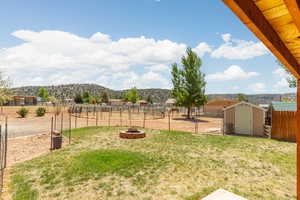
<point>293,7</point>
<point>298,139</point>
<point>298,109</point>
<point>254,19</point>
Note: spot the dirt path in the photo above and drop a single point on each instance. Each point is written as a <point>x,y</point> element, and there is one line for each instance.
<point>32,125</point>
<point>22,149</point>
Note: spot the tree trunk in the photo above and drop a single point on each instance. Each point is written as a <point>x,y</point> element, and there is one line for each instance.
<point>2,109</point>
<point>189,113</point>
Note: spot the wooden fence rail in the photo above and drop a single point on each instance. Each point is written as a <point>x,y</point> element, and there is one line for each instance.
<point>284,125</point>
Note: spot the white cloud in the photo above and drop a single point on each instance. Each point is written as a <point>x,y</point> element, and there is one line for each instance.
<point>280,72</point>
<point>202,48</point>
<point>57,57</point>
<point>282,84</point>
<point>147,80</point>
<point>158,68</point>
<point>234,72</point>
<point>257,87</point>
<point>100,37</point>
<point>54,57</point>
<point>238,49</point>
<point>226,37</point>
<point>149,77</point>
<point>235,88</point>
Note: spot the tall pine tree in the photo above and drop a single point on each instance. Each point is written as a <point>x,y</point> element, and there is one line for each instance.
<point>188,82</point>
<point>104,96</point>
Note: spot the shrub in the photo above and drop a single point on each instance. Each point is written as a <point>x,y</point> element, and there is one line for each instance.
<point>23,112</point>
<point>40,111</point>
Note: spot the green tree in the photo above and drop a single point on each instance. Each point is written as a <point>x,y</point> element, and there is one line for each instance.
<point>5,91</point>
<point>149,99</point>
<point>188,82</point>
<point>287,100</point>
<point>93,100</point>
<point>78,99</point>
<point>290,79</point>
<point>43,93</point>
<point>132,95</point>
<point>242,97</point>
<point>104,97</point>
<point>86,97</point>
<point>53,100</point>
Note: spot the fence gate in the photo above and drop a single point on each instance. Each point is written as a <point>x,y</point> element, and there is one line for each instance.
<point>284,125</point>
<point>3,151</point>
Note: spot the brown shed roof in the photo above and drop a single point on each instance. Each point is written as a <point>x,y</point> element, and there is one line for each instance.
<point>223,103</point>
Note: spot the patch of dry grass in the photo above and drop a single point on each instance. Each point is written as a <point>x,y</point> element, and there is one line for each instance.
<point>164,165</point>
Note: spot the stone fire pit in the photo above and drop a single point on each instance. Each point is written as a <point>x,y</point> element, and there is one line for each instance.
<point>132,133</point>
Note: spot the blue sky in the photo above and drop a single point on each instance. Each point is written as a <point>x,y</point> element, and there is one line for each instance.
<point>125,43</point>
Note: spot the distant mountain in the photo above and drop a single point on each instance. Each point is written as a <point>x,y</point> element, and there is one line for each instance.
<point>255,98</point>
<point>158,95</point>
<point>70,90</point>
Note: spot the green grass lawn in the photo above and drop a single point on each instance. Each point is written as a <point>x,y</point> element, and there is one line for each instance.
<point>176,165</point>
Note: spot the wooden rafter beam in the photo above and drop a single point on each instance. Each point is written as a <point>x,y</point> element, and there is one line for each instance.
<point>294,9</point>
<point>298,139</point>
<point>254,19</point>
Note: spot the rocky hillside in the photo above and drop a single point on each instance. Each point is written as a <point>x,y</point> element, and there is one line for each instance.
<point>70,90</point>
<point>158,95</point>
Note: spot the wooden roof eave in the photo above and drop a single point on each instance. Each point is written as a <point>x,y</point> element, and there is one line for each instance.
<point>294,6</point>
<point>255,20</point>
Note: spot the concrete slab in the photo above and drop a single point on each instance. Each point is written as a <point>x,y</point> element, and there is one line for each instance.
<point>221,194</point>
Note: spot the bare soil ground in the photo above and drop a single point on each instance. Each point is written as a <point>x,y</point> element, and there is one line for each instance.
<point>24,148</point>
<point>29,137</point>
<point>32,125</point>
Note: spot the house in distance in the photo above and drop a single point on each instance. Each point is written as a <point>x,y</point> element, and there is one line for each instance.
<point>216,107</point>
<point>23,101</point>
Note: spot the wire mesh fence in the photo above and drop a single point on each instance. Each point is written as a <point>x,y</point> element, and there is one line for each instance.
<point>143,116</point>
<point>3,149</point>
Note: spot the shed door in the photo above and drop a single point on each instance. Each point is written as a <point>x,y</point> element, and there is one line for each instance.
<point>243,119</point>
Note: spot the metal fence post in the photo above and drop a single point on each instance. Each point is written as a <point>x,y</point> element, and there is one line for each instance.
<point>152,112</point>
<point>62,121</point>
<point>51,132</point>
<point>75,120</point>
<point>129,113</point>
<point>70,127</point>
<point>6,138</point>
<point>97,118</point>
<point>120,116</point>
<point>109,118</point>
<point>169,121</point>
<point>94,110</point>
<point>87,118</point>
<point>196,124</point>
<point>144,121</point>
<point>55,121</point>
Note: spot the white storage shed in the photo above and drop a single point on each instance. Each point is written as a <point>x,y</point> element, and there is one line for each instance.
<point>244,119</point>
